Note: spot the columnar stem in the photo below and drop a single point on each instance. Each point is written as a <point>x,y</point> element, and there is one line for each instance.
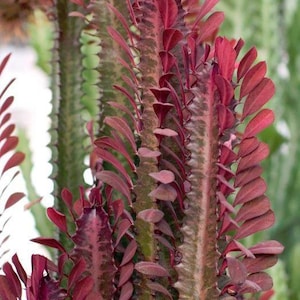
<point>197,271</point>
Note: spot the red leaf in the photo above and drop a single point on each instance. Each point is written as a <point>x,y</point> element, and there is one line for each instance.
<point>164,227</point>
<point>253,77</point>
<point>57,218</point>
<point>7,132</point>
<point>258,97</point>
<point>253,208</point>
<point>205,8</point>
<point>247,146</point>
<point>124,225</point>
<point>121,41</point>
<point>5,119</point>
<point>225,89</point>
<point>225,206</point>
<point>238,46</point>
<point>123,21</point>
<point>62,260</point>
<point>145,152</point>
<point>150,215</point>
<point>165,132</point>
<point>226,117</point>
<point>20,270</point>
<point>267,295</point>
<point>161,94</point>
<point>227,155</point>
<point>226,56</point>
<point>263,280</point>
<point>110,158</point>
<point>67,197</point>
<point>177,165</point>
<point>5,290</point>
<point>125,109</point>
<point>156,287</point>
<point>251,190</point>
<point>210,25</point>
<point>116,144</point>
<point>38,265</point>
<point>129,253</point>
<point>83,288</point>
<point>225,184</point>
<point>78,2</point>
<point>115,182</point>
<point>247,175</point>
<point>121,126</point>
<point>14,198</point>
<point>164,192</point>
<point>10,144</point>
<point>125,274</point>
<point>267,247</point>
<point>168,10</point>
<point>168,60</point>
<point>151,269</point>
<point>77,14</point>
<point>15,160</point>
<point>249,287</point>
<point>255,225</point>
<point>13,280</point>
<point>50,242</point>
<point>227,225</point>
<point>4,62</point>
<point>237,270</point>
<point>130,98</point>
<point>163,176</point>
<point>7,103</point>
<point>261,121</point>
<point>255,157</point>
<point>118,208</point>
<point>171,37</point>
<point>126,291</point>
<point>76,272</point>
<point>164,242</point>
<point>246,63</point>
<point>237,246</point>
<point>259,263</point>
<point>6,88</point>
<point>161,110</point>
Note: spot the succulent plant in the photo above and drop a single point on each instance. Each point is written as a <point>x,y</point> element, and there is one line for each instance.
<point>175,159</point>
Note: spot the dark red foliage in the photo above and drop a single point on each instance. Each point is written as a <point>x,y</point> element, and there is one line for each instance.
<point>185,80</point>
<point>9,158</point>
<point>254,213</point>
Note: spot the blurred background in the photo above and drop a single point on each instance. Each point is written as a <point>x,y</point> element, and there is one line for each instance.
<point>273,26</point>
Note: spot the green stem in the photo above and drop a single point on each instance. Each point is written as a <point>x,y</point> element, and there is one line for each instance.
<point>67,135</point>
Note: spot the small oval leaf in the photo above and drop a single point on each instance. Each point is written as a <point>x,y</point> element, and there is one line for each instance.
<point>151,269</point>
<point>164,192</point>
<point>253,77</point>
<point>151,215</point>
<point>14,198</point>
<point>163,176</point>
<point>255,225</point>
<point>57,218</point>
<point>267,247</point>
<point>260,122</point>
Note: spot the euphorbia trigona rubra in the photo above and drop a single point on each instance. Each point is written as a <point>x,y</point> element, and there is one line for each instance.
<point>175,159</point>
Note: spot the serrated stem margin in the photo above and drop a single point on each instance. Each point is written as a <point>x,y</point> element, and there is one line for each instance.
<point>198,268</point>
